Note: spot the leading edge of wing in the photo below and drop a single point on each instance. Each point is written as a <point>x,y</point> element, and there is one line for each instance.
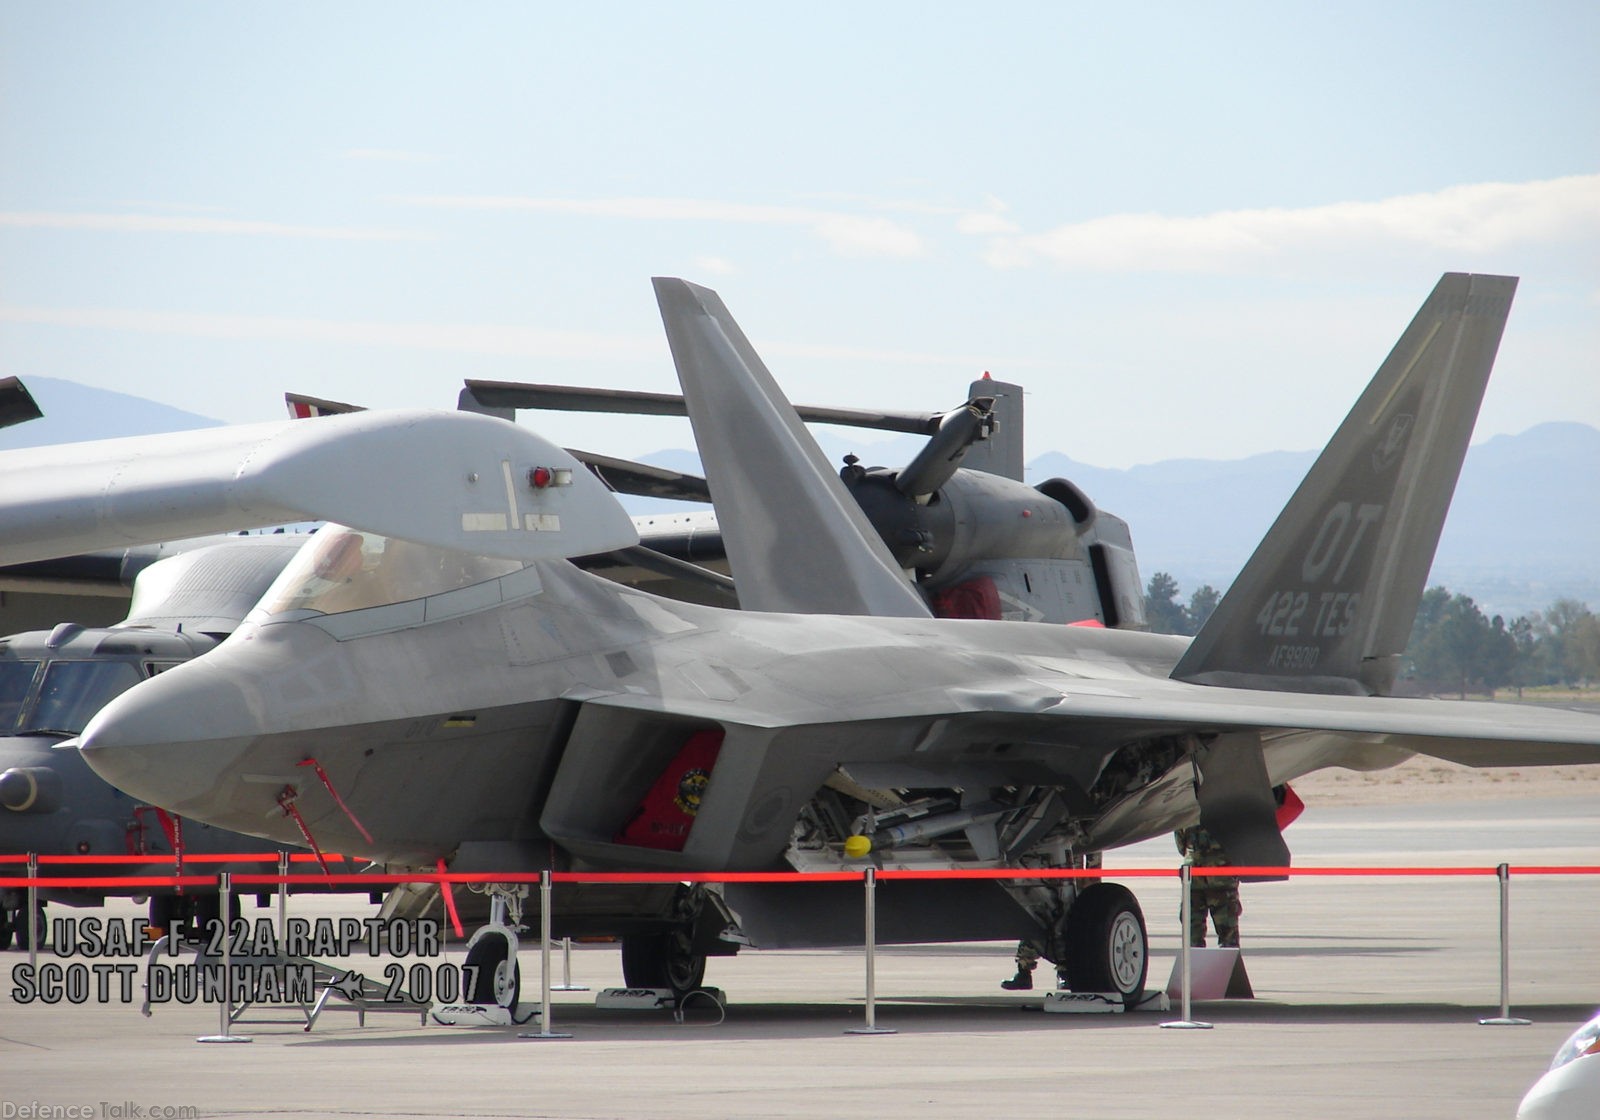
<point>1479,733</point>
<point>451,479</point>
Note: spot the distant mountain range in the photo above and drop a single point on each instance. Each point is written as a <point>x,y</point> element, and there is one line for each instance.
<point>74,413</point>
<point>1523,531</point>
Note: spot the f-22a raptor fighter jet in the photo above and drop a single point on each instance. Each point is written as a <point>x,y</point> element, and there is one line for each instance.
<point>475,697</point>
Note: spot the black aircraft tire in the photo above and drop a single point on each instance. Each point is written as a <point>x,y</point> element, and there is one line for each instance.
<point>165,912</point>
<point>489,955</point>
<point>662,960</point>
<point>1107,948</point>
<point>685,969</point>
<point>644,960</point>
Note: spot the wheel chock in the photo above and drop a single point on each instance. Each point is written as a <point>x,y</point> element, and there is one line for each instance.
<point>1101,1003</point>
<point>478,1015</point>
<point>647,999</point>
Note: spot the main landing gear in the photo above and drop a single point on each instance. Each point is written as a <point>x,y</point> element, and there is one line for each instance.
<point>662,960</point>
<point>1106,947</point>
<point>675,959</point>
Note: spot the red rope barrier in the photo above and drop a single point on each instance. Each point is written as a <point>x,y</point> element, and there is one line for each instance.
<point>1290,872</point>
<point>166,858</point>
<point>373,880</point>
<point>70,882</point>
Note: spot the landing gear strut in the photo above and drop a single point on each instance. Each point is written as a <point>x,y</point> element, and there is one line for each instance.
<point>491,975</point>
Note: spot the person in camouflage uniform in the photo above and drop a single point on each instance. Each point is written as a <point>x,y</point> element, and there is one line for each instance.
<point>1208,894</point>
<point>1027,961</point>
<point>1029,951</point>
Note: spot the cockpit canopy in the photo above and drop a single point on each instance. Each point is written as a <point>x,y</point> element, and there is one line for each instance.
<point>341,570</point>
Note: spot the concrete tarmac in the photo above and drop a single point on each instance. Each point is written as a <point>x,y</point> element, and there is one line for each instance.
<point>1368,995</point>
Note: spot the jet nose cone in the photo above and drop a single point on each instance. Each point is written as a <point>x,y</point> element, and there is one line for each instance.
<point>169,740</point>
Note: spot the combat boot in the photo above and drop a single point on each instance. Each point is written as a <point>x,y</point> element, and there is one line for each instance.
<point>1021,982</point>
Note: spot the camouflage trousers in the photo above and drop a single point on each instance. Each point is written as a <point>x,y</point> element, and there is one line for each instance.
<point>1220,899</point>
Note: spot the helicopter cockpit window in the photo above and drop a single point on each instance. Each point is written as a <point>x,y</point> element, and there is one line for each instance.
<point>16,677</point>
<point>73,691</point>
<point>343,569</point>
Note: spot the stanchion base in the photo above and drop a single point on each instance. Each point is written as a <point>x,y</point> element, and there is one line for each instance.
<point>1505,1022</point>
<point>870,1030</point>
<point>1184,1025</point>
<point>546,1034</point>
<point>225,1038</point>
<point>569,987</point>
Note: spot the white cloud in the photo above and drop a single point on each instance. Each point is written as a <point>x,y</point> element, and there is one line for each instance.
<point>153,223</point>
<point>847,234</point>
<point>986,224</point>
<point>1475,218</point>
<point>466,338</point>
<point>990,221</point>
<point>717,266</point>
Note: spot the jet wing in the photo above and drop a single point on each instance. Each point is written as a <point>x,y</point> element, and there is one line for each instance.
<point>1129,759</point>
<point>1474,733</point>
<point>451,479</point>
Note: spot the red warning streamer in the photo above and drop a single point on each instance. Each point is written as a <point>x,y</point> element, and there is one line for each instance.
<point>337,800</point>
<point>449,896</point>
<point>286,799</point>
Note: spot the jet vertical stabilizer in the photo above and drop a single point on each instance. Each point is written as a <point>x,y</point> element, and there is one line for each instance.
<point>1327,602</point>
<point>796,541</point>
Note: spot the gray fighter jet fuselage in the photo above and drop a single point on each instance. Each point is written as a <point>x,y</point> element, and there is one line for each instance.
<point>515,714</point>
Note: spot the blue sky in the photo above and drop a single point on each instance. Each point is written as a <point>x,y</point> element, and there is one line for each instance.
<point>1189,230</point>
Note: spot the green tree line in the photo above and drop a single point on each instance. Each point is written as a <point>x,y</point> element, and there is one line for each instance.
<point>1454,646</point>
